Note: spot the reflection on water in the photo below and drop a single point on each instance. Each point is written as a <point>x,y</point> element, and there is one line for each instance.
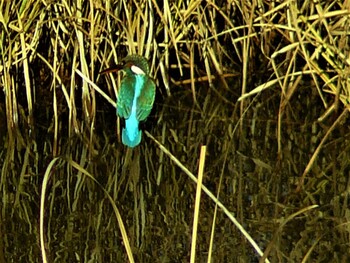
<point>156,199</point>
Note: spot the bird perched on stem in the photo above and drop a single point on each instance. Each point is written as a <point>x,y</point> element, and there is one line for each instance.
<point>135,98</point>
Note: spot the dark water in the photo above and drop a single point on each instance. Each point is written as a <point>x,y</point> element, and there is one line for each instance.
<point>156,198</point>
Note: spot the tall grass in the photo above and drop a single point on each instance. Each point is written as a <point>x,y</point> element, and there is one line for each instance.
<point>263,84</point>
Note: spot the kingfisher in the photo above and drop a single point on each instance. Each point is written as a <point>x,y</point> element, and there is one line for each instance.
<point>135,98</point>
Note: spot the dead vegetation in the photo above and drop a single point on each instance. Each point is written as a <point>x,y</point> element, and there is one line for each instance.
<point>264,85</point>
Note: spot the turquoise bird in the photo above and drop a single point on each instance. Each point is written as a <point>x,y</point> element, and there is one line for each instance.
<point>136,97</point>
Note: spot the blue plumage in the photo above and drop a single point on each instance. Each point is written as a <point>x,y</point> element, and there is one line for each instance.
<point>135,98</point>
<point>131,135</point>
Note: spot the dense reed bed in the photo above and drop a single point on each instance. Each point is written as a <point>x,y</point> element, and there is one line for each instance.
<point>245,157</point>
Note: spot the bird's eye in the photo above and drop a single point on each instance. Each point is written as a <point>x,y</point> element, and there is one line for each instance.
<point>137,70</point>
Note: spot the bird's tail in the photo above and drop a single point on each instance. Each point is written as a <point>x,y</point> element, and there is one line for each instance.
<point>131,141</point>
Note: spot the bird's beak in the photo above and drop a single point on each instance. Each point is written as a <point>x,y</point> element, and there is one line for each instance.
<point>112,69</point>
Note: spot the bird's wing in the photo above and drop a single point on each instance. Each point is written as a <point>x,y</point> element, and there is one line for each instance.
<point>125,98</point>
<point>146,99</point>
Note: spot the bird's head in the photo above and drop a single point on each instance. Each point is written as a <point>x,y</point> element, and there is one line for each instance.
<point>136,64</point>
<point>132,64</point>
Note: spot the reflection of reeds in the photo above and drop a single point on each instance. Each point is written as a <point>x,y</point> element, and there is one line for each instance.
<point>259,77</point>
